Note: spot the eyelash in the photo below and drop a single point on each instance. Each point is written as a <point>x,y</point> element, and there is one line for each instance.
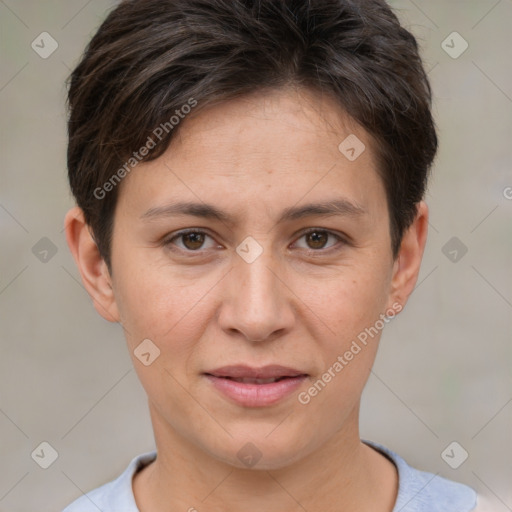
<point>340,239</point>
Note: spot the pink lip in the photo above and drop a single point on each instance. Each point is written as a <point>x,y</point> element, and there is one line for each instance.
<point>264,372</point>
<point>253,394</point>
<point>256,395</point>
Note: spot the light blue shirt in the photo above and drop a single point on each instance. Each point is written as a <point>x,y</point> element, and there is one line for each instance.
<point>418,491</point>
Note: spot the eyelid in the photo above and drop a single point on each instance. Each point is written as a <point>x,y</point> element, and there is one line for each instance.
<point>167,240</point>
<point>343,239</point>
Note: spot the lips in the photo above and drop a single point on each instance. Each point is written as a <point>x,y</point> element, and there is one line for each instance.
<point>242,373</point>
<point>250,380</point>
<point>256,387</point>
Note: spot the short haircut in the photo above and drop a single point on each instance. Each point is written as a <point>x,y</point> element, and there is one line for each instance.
<point>151,61</point>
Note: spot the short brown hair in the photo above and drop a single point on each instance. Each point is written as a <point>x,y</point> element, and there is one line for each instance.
<point>150,58</point>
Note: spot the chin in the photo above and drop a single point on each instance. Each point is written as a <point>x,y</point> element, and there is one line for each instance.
<point>258,450</point>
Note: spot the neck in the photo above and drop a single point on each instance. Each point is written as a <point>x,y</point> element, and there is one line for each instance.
<point>343,475</point>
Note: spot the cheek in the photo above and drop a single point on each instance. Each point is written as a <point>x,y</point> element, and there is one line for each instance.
<point>171,311</point>
<point>164,305</point>
<point>349,301</point>
<point>349,307</point>
<point>347,352</point>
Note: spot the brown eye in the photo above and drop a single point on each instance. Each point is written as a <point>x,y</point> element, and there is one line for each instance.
<point>317,239</point>
<point>193,241</point>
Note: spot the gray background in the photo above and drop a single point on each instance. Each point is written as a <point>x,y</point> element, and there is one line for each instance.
<point>444,370</point>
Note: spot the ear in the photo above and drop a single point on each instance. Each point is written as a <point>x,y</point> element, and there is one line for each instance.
<point>92,267</point>
<point>407,264</point>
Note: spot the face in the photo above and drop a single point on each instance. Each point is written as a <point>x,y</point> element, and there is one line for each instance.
<point>254,241</point>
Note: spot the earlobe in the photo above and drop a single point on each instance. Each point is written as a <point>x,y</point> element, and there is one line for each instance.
<point>92,267</point>
<point>408,262</point>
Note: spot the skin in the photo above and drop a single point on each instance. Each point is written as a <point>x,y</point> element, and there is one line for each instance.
<point>301,303</point>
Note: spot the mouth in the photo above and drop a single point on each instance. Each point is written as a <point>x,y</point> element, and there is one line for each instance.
<point>251,380</point>
<point>272,371</point>
<point>256,387</point>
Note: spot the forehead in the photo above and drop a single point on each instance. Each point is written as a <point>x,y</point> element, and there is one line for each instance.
<point>270,120</point>
<point>263,149</point>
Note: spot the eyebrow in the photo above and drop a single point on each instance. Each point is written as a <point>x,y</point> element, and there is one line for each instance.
<point>338,206</point>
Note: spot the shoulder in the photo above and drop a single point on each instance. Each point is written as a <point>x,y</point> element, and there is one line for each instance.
<point>420,491</point>
<point>115,495</point>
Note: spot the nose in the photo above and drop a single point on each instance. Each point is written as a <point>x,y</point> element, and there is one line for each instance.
<point>258,304</point>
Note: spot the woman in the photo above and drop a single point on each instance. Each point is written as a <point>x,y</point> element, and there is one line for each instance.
<point>249,178</point>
